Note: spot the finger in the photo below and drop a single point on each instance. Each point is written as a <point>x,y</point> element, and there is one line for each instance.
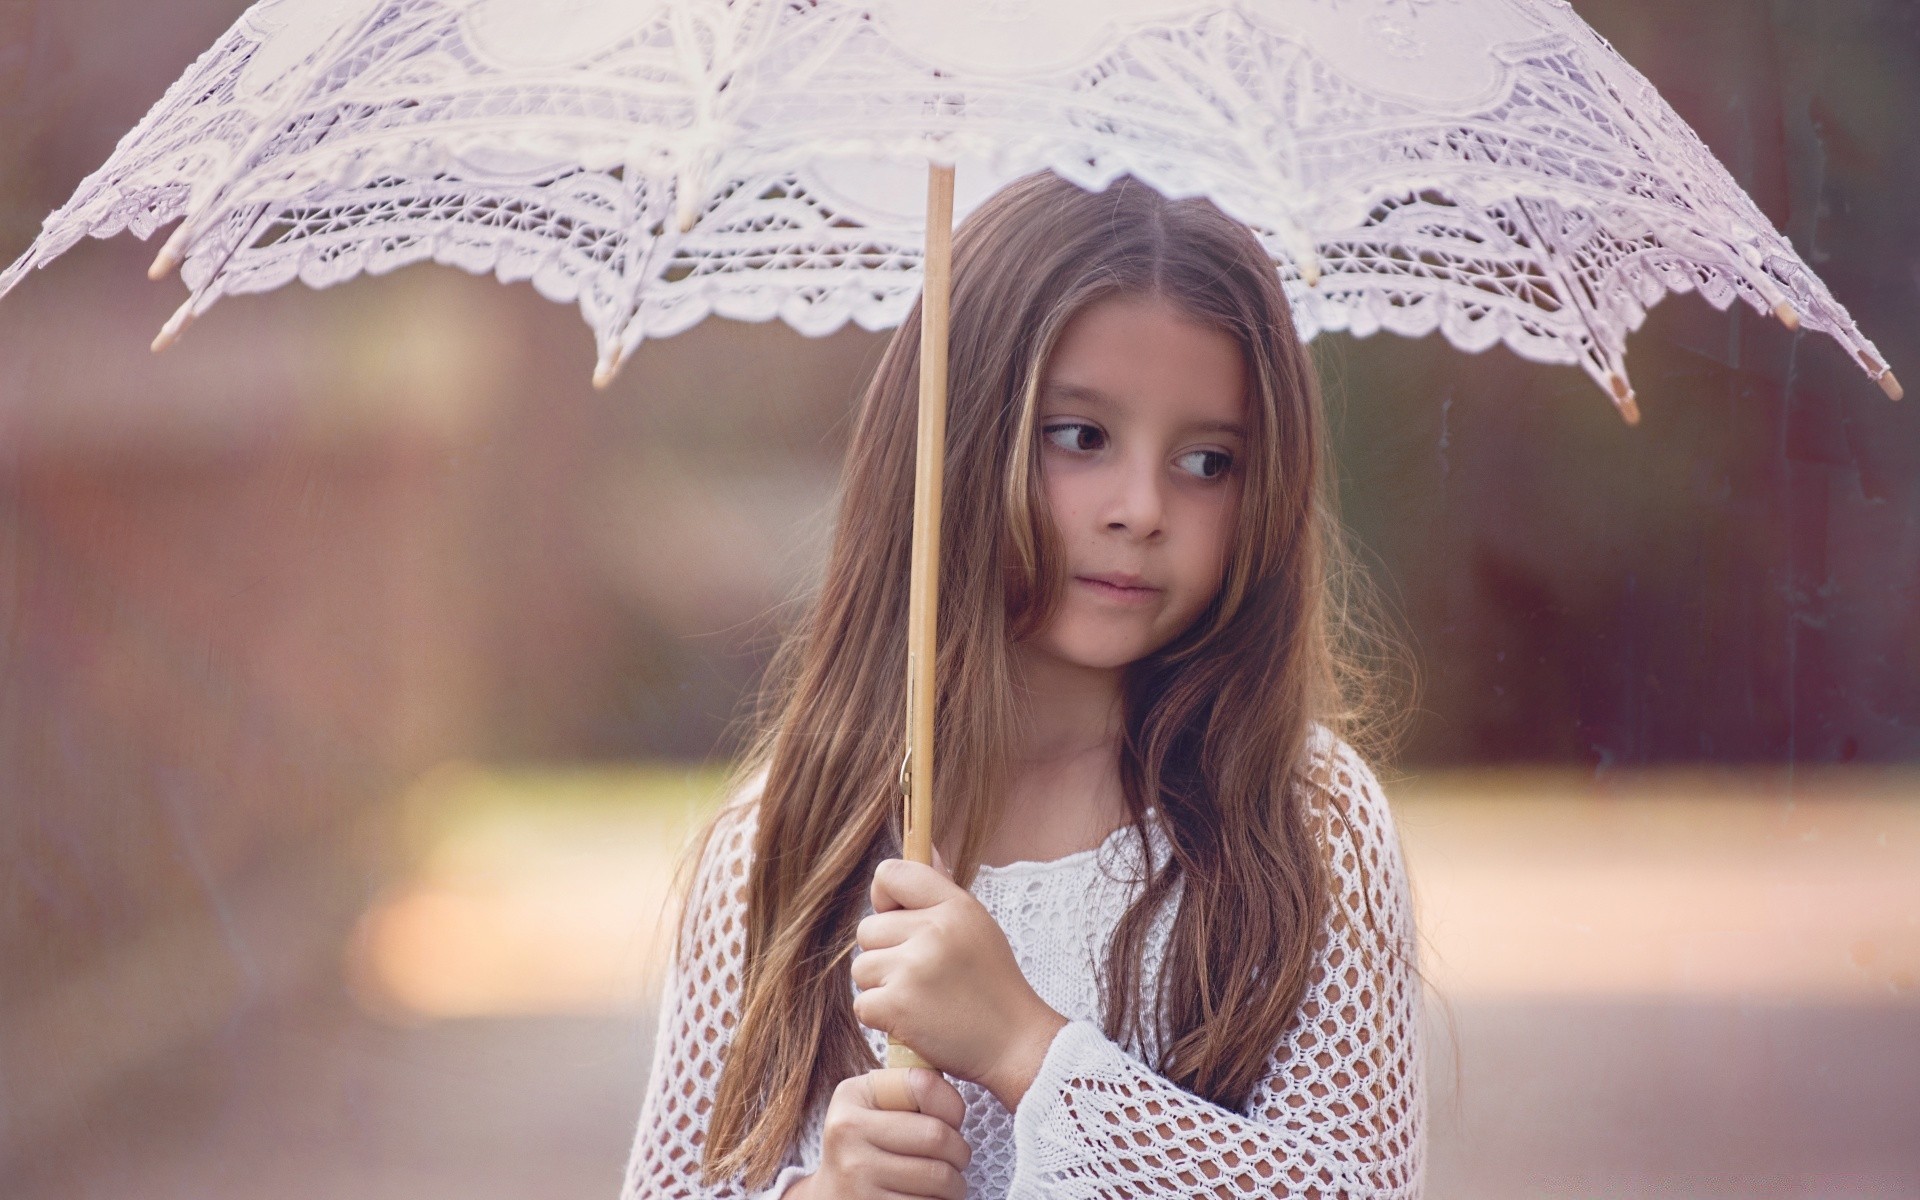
<point>881,930</point>
<point>870,968</point>
<point>912,1177</point>
<point>903,883</point>
<point>919,1135</point>
<point>874,968</point>
<point>874,1009</point>
<point>891,1090</point>
<point>940,863</point>
<point>937,1097</point>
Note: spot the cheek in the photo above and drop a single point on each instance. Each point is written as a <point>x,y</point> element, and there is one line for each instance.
<point>1227,524</point>
<point>1211,546</point>
<point>1065,490</point>
<point>1071,499</point>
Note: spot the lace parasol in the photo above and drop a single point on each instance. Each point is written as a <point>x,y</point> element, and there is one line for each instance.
<point>1490,169</point>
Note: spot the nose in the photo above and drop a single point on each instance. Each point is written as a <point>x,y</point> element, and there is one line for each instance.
<point>1135,502</point>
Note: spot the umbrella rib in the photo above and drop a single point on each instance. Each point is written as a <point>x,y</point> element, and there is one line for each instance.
<point>330,54</point>
<point>1573,290</point>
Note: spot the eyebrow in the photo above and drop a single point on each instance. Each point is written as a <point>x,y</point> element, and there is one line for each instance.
<point>1087,395</point>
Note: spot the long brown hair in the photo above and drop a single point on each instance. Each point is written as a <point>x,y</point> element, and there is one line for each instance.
<point>1215,723</point>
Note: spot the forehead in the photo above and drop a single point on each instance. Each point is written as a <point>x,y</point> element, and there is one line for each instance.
<point>1142,355</point>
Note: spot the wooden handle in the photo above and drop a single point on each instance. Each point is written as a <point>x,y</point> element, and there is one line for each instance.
<point>923,585</point>
<point>901,1055</point>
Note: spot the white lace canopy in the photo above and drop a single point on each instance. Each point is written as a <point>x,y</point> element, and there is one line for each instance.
<point>1491,169</point>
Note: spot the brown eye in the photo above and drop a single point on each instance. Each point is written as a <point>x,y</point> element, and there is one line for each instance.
<point>1215,462</point>
<point>1078,435</point>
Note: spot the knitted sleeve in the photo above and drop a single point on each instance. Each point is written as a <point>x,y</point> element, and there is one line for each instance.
<point>699,1005</point>
<point>1341,1110</point>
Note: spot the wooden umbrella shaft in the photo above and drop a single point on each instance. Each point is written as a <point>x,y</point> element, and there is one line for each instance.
<point>923,589</point>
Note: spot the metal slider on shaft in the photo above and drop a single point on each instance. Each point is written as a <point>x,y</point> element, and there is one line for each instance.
<point>923,594</point>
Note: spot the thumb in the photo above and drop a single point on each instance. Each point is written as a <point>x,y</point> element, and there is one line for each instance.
<point>935,1096</point>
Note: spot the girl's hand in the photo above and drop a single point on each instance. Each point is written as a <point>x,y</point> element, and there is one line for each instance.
<point>936,972</point>
<point>867,1152</point>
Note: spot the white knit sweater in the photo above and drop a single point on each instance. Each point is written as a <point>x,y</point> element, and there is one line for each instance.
<point>1340,1112</point>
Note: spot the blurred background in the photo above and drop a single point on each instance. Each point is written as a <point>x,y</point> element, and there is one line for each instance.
<point>362,670</point>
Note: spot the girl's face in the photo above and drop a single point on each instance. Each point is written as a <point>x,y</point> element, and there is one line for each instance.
<point>1142,413</point>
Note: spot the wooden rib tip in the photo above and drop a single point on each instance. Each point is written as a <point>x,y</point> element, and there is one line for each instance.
<point>1789,316</point>
<point>163,264</point>
<point>171,331</point>
<point>1310,271</point>
<point>1882,374</point>
<point>170,254</point>
<point>1623,399</point>
<point>603,376</point>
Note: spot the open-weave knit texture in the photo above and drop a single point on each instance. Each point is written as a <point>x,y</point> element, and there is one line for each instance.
<point>1340,1112</point>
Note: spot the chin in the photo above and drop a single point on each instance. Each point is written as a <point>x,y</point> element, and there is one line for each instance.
<point>1104,655</point>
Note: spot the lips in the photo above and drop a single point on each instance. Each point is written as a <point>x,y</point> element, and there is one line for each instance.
<point>1120,585</point>
<point>1121,579</point>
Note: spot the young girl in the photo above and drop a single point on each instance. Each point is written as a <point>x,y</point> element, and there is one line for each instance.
<point>1168,949</point>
